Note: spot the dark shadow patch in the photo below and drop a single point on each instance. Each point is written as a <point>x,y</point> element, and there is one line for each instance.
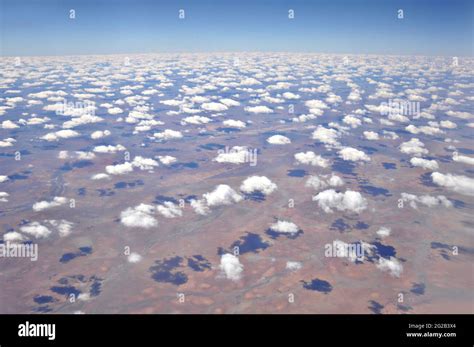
<point>164,271</point>
<point>389,166</point>
<point>198,263</point>
<point>458,203</point>
<point>189,198</point>
<point>375,307</point>
<point>404,308</point>
<point>257,196</point>
<point>43,299</point>
<point>96,286</point>
<point>122,185</point>
<point>212,146</point>
<point>466,250</point>
<point>361,225</point>
<point>250,243</point>
<point>42,309</point>
<point>375,191</point>
<point>344,167</point>
<point>82,191</point>
<point>275,234</point>
<point>18,177</point>
<point>318,285</point>
<point>340,225</point>
<point>384,250</point>
<point>67,257</point>
<point>189,165</point>
<point>465,150</point>
<point>418,288</point>
<point>105,192</point>
<point>65,290</point>
<point>369,150</point>
<point>161,199</point>
<point>426,180</point>
<point>160,150</point>
<point>438,245</point>
<point>228,130</point>
<point>297,173</point>
<point>76,165</point>
<point>445,255</point>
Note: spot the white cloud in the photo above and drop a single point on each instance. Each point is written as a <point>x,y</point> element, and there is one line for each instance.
<point>290,96</point>
<point>354,122</point>
<point>424,163</point>
<point>390,135</point>
<point>371,135</point>
<point>214,107</point>
<point>140,216</point>
<point>249,81</point>
<point>278,140</point>
<point>448,124</point>
<point>8,124</point>
<point>200,207</point>
<point>100,176</point>
<point>427,200</point>
<point>99,134</point>
<point>76,155</point>
<point>144,163</point>
<point>391,265</point>
<point>293,265</point>
<point>63,227</point>
<point>222,195</point>
<point>229,102</point>
<point>169,210</point>
<point>424,129</point>
<point>352,154</point>
<point>258,183</point>
<point>7,142</point>
<point>285,227</point>
<point>61,134</point>
<point>4,196</point>
<point>197,120</point>
<point>115,110</point>
<point>349,200</point>
<point>167,159</point>
<point>303,118</point>
<point>460,159</point>
<point>384,232</point>
<point>36,229</point>
<point>236,155</point>
<point>14,236</point>
<point>323,181</point>
<point>310,158</point>
<point>134,258</point>
<point>231,123</point>
<point>318,104</point>
<point>168,134</point>
<point>326,136</point>
<point>258,109</point>
<point>413,147</point>
<point>84,119</point>
<point>43,205</point>
<point>459,114</point>
<point>108,149</point>
<point>459,184</point>
<point>231,267</point>
<point>119,169</point>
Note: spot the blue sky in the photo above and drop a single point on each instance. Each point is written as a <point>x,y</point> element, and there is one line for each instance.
<point>429,27</point>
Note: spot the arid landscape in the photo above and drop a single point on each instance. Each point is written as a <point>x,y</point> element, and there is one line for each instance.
<point>217,183</point>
